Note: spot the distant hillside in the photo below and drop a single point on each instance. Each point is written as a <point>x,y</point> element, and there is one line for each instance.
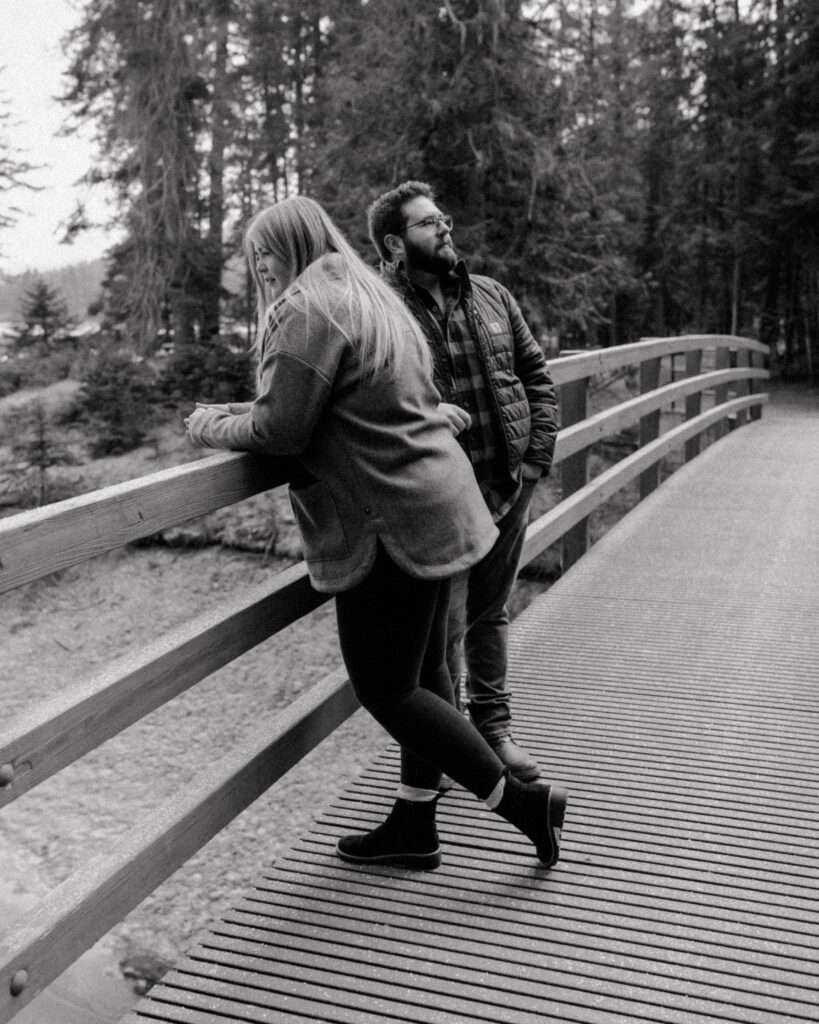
<point>79,284</point>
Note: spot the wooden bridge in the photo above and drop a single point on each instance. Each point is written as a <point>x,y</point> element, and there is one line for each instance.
<point>669,678</point>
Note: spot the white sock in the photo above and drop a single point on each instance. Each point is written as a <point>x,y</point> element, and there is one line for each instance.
<point>416,796</point>
<point>496,795</point>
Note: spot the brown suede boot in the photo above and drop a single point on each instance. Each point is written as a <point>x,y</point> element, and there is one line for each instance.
<point>408,838</point>
<point>537,810</point>
<point>519,761</point>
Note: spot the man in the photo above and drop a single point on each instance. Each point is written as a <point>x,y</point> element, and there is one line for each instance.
<point>500,401</point>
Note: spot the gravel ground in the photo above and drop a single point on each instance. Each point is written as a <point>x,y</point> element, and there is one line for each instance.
<point>58,631</point>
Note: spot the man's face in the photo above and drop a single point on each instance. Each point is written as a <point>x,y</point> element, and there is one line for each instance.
<point>427,247</point>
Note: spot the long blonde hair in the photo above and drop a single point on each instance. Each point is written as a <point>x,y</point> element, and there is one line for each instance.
<point>299,232</point>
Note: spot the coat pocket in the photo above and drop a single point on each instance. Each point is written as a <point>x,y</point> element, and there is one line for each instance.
<point>319,522</point>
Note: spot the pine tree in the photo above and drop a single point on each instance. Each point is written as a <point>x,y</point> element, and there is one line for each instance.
<point>149,73</point>
<point>45,318</point>
<point>476,97</point>
<point>788,218</point>
<point>37,450</point>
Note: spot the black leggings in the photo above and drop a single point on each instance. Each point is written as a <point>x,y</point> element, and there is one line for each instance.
<point>392,631</point>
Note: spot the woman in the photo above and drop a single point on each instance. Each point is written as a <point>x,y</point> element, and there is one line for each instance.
<point>387,507</point>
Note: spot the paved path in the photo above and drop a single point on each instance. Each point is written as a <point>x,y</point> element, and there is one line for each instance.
<point>671,679</point>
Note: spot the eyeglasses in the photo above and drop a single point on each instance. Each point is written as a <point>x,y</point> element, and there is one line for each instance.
<point>432,222</point>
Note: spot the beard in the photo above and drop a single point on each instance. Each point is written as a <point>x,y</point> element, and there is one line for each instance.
<point>438,260</point>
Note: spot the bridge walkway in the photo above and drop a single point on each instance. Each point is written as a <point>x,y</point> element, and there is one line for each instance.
<point>671,679</point>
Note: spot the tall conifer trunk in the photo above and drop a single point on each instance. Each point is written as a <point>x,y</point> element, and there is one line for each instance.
<point>212,270</point>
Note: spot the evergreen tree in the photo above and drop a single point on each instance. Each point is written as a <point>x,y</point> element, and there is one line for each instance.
<point>145,72</point>
<point>37,450</point>
<point>662,83</point>
<point>475,97</point>
<point>787,266</point>
<point>45,318</point>
<point>117,397</point>
<point>624,172</point>
<point>593,51</point>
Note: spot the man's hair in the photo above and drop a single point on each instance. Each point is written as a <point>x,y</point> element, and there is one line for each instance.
<point>385,217</point>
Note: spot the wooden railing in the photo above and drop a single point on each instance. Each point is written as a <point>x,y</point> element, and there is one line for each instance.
<point>48,737</point>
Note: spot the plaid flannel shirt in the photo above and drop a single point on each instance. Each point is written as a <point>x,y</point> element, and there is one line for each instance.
<point>482,441</point>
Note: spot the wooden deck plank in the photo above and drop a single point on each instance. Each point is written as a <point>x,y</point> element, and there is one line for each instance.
<point>670,681</point>
<point>724,904</point>
<point>559,956</point>
<point>627,910</point>
<point>684,935</point>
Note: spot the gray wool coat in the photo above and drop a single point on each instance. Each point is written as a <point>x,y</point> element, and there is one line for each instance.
<point>380,461</point>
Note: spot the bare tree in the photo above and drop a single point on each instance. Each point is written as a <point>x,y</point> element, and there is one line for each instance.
<point>13,167</point>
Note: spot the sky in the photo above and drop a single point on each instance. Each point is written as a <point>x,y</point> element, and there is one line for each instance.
<point>32,64</point>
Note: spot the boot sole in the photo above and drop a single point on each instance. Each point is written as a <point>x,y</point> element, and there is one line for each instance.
<point>558,798</point>
<point>413,861</point>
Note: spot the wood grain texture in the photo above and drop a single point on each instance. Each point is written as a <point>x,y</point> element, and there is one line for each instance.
<point>46,540</point>
<point>77,720</point>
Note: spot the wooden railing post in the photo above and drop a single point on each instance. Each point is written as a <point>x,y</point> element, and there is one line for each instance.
<point>649,424</point>
<point>722,361</point>
<point>693,403</point>
<point>743,386</point>
<point>574,471</point>
<point>757,361</point>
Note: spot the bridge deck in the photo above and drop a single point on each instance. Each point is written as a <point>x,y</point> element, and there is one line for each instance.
<point>671,680</point>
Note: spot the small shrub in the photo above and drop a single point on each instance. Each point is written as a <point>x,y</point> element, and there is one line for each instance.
<point>117,399</point>
<point>209,371</point>
<point>37,369</point>
<point>49,367</point>
<point>11,379</point>
<point>37,449</point>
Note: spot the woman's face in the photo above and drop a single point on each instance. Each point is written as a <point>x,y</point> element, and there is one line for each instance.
<point>276,273</point>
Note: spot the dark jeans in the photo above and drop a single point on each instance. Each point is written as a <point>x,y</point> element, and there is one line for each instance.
<point>392,631</point>
<point>478,631</point>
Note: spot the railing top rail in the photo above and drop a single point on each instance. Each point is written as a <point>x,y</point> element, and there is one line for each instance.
<point>585,364</point>
<point>36,543</point>
<point>43,541</point>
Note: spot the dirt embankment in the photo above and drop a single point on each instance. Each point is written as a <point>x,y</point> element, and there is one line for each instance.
<point>61,631</point>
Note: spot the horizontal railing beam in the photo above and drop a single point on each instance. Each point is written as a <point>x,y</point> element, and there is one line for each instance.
<point>550,527</point>
<point>43,541</point>
<point>596,428</point>
<point>51,935</point>
<point>605,360</point>
<point>37,543</point>
<point>68,725</point>
<point>52,735</point>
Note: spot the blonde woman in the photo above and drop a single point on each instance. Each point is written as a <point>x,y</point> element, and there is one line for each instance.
<point>387,507</point>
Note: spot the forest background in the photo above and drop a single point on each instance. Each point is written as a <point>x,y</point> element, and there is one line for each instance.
<point>627,169</point>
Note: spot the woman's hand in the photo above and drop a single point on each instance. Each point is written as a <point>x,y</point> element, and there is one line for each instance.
<point>213,405</point>
<point>457,418</point>
<point>200,419</point>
